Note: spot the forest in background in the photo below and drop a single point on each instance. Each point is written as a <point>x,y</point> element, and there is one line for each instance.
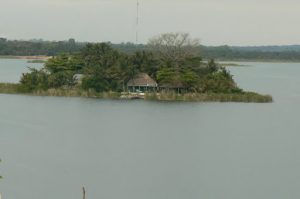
<point>289,53</point>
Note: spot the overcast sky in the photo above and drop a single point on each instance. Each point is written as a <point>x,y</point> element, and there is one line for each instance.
<point>214,22</point>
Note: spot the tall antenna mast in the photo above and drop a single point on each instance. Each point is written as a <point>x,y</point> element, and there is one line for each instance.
<point>137,22</point>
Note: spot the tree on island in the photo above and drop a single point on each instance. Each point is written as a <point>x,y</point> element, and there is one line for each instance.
<point>182,66</point>
<point>174,48</point>
<point>102,68</point>
<point>174,61</point>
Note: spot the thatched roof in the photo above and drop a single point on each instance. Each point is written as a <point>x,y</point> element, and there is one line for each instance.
<point>142,79</point>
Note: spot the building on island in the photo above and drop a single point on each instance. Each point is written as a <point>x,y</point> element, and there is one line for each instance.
<point>141,83</point>
<point>177,87</point>
<point>78,78</point>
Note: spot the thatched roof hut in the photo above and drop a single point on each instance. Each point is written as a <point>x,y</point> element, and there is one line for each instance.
<point>142,80</point>
<point>177,86</point>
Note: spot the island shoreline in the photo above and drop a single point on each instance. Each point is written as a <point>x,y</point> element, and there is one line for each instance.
<point>245,97</point>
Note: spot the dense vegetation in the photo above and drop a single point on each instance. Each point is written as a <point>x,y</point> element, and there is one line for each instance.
<point>227,53</point>
<point>107,69</point>
<point>38,47</point>
<point>98,69</point>
<point>52,48</point>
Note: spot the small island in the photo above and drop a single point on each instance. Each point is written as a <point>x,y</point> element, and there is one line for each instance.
<point>171,70</point>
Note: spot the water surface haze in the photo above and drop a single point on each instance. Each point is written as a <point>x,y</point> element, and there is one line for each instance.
<point>52,146</point>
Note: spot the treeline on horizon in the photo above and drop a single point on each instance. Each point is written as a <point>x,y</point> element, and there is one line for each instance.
<point>225,53</point>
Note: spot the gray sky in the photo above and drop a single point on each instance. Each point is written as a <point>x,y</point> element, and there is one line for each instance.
<point>214,22</point>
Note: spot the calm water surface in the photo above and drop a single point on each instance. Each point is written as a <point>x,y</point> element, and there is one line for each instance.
<point>12,69</point>
<point>51,147</point>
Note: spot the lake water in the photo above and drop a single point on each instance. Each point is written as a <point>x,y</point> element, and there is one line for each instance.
<point>12,69</point>
<point>52,146</point>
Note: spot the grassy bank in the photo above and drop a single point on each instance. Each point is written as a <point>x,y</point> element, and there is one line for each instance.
<point>10,88</point>
<point>246,97</point>
<point>76,93</point>
<point>7,88</point>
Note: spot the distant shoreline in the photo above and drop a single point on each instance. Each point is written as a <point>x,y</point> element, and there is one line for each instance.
<point>257,61</point>
<point>230,62</point>
<point>35,57</point>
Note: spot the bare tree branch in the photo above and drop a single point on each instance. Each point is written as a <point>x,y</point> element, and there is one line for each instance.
<point>173,48</point>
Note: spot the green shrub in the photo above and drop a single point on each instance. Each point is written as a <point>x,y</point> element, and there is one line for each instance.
<point>59,79</point>
<point>34,80</point>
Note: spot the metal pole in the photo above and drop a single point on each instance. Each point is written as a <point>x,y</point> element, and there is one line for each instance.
<point>83,192</point>
<point>137,22</point>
